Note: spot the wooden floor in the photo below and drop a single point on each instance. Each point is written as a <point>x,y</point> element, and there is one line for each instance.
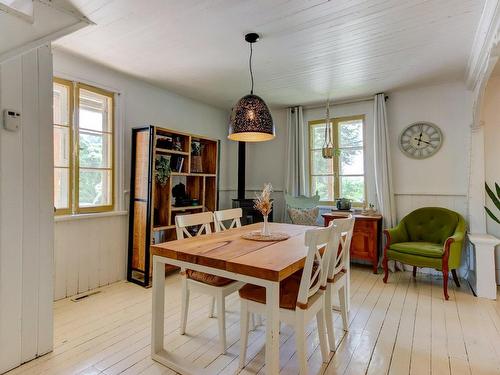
<point>403,327</point>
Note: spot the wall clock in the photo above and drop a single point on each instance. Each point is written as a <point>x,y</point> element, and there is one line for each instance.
<point>420,140</point>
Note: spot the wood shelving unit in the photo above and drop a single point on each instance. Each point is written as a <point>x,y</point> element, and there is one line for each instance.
<point>152,209</point>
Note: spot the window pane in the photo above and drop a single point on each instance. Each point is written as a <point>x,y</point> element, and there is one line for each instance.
<point>94,111</point>
<point>318,136</point>
<point>324,186</point>
<point>352,187</point>
<point>61,146</point>
<point>351,161</point>
<point>61,104</point>
<point>320,165</point>
<point>351,133</point>
<point>95,150</point>
<point>61,188</point>
<point>95,188</point>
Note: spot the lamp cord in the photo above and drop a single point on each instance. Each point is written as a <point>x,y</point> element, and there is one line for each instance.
<point>250,65</point>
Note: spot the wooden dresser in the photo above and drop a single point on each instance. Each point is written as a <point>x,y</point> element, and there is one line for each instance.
<point>366,237</point>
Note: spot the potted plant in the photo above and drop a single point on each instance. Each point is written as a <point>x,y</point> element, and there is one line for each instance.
<point>162,169</point>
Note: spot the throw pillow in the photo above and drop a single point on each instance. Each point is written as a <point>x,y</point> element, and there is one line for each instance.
<point>307,216</point>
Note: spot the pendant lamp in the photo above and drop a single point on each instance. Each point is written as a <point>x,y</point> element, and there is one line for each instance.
<point>250,119</point>
<point>328,151</point>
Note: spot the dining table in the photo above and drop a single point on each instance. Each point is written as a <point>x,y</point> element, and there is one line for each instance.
<point>227,254</point>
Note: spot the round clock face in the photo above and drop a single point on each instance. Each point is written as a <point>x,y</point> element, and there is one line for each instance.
<point>420,140</point>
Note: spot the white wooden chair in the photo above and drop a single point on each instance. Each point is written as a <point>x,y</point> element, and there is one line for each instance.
<point>301,296</point>
<point>337,277</point>
<point>215,286</point>
<point>233,214</point>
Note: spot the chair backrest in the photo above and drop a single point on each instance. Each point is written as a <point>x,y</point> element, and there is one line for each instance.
<point>338,257</point>
<point>302,201</point>
<point>203,219</point>
<point>233,214</point>
<point>431,224</point>
<point>315,269</point>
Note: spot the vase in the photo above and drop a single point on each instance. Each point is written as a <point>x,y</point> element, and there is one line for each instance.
<point>265,227</point>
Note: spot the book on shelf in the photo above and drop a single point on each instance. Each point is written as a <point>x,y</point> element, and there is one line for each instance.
<point>176,163</point>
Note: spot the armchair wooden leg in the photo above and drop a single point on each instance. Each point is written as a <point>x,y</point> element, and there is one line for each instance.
<point>385,264</point>
<point>414,271</point>
<point>455,278</point>
<point>445,282</point>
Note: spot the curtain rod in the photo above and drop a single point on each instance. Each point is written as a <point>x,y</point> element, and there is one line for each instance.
<point>340,102</point>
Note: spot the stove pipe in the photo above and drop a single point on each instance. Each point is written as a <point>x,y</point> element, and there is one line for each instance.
<point>241,169</point>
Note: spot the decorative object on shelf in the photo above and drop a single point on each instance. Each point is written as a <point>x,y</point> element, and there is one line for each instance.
<point>251,120</point>
<point>264,205</point>
<point>328,151</point>
<point>163,141</point>
<point>162,169</point>
<point>420,140</point>
<point>369,210</point>
<point>177,144</point>
<point>179,193</point>
<point>495,199</point>
<point>196,159</point>
<point>343,204</point>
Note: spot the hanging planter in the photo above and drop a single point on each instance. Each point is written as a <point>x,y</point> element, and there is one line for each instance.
<point>328,151</point>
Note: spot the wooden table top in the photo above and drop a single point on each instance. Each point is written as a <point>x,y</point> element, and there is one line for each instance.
<point>226,250</point>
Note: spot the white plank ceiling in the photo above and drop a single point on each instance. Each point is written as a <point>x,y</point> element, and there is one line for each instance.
<point>309,49</point>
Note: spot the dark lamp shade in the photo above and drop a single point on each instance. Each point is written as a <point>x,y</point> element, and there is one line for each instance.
<point>251,121</point>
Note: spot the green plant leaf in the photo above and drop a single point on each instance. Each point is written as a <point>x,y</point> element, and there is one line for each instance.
<point>492,215</point>
<point>498,189</point>
<point>492,195</point>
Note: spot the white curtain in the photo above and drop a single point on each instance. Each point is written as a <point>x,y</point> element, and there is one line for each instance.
<point>382,166</point>
<point>296,157</point>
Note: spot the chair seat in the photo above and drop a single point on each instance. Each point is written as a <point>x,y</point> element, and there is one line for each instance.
<point>289,291</point>
<point>207,278</point>
<point>424,249</point>
<point>337,276</point>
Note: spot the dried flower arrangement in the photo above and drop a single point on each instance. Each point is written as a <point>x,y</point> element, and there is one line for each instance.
<point>262,202</point>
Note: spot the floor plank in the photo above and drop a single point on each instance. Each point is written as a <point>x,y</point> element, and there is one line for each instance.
<point>402,327</point>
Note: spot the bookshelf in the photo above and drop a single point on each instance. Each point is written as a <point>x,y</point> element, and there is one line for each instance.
<point>194,162</point>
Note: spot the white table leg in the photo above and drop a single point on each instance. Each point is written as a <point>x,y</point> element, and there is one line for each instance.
<point>157,324</point>
<point>272,329</point>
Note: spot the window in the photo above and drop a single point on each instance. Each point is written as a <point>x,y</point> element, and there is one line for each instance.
<point>342,176</point>
<point>83,148</point>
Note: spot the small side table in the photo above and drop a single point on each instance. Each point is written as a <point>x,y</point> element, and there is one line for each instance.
<point>483,279</point>
<point>366,240</point>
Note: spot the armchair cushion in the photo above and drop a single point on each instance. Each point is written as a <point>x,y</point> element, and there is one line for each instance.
<point>425,249</point>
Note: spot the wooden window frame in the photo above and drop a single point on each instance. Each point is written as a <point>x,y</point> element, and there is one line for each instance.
<point>336,160</point>
<point>69,85</point>
<point>74,186</point>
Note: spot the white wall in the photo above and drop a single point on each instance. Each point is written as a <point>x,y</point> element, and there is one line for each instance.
<point>442,179</point>
<point>490,116</point>
<point>138,104</point>
<point>26,210</point>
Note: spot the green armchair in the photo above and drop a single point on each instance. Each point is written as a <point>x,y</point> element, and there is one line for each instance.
<point>428,237</point>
